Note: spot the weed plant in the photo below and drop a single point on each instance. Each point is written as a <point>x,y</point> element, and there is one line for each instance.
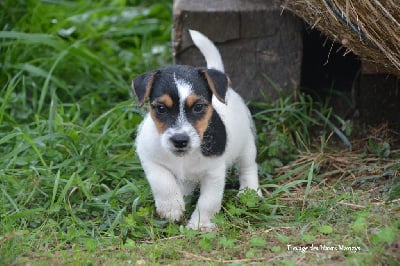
<point>72,188</point>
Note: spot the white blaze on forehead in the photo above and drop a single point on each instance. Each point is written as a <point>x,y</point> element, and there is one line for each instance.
<point>184,89</point>
<point>182,125</point>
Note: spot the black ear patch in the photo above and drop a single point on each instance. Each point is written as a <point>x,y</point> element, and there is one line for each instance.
<point>142,86</point>
<point>214,138</point>
<point>217,81</point>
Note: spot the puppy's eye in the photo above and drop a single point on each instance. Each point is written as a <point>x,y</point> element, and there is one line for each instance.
<point>161,108</point>
<point>199,108</point>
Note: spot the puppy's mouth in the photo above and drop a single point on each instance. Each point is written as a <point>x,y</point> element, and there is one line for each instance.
<point>180,152</point>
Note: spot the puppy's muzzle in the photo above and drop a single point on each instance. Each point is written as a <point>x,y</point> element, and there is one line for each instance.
<point>180,142</point>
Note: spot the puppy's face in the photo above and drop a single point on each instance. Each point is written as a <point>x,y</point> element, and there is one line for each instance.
<point>180,106</point>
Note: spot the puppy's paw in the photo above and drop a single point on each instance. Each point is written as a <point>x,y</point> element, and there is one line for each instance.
<point>202,227</point>
<point>171,209</point>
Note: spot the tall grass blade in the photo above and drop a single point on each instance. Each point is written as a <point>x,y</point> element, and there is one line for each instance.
<point>35,148</point>
<point>63,195</point>
<point>38,38</point>
<point>9,88</point>
<point>54,194</point>
<point>10,199</point>
<point>40,72</point>
<point>49,76</point>
<point>309,180</point>
<point>25,214</point>
<point>116,221</point>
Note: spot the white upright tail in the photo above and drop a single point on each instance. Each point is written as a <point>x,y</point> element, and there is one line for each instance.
<point>208,49</point>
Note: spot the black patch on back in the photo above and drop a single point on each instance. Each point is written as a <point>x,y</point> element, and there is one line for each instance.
<point>214,138</point>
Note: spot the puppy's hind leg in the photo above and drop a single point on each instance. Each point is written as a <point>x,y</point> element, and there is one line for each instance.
<point>248,170</point>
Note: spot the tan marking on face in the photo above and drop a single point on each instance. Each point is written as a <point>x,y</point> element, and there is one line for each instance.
<point>202,124</point>
<point>168,102</point>
<point>165,99</point>
<point>159,125</point>
<point>192,99</point>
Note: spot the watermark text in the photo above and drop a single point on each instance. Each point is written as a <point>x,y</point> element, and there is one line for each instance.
<point>322,248</point>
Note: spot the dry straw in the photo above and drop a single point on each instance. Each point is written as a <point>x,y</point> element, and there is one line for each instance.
<point>369,28</point>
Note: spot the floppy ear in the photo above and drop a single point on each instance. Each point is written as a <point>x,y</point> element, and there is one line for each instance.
<point>217,81</point>
<point>142,86</point>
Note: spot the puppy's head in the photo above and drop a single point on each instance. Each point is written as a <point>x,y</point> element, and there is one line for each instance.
<point>180,106</point>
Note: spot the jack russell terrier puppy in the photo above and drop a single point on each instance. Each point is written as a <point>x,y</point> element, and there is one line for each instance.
<point>196,128</point>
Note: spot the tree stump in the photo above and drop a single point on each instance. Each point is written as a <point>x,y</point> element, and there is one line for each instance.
<point>261,47</point>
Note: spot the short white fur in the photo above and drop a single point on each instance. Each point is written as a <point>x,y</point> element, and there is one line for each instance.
<point>172,177</point>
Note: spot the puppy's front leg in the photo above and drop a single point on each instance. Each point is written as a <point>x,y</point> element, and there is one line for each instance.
<point>167,194</point>
<point>209,202</point>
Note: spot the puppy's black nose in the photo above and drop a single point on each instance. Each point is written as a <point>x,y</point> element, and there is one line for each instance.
<point>180,140</point>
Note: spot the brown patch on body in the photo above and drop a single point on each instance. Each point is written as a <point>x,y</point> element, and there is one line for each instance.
<point>168,102</point>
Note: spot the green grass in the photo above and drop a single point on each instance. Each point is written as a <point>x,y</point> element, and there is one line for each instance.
<point>73,191</point>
